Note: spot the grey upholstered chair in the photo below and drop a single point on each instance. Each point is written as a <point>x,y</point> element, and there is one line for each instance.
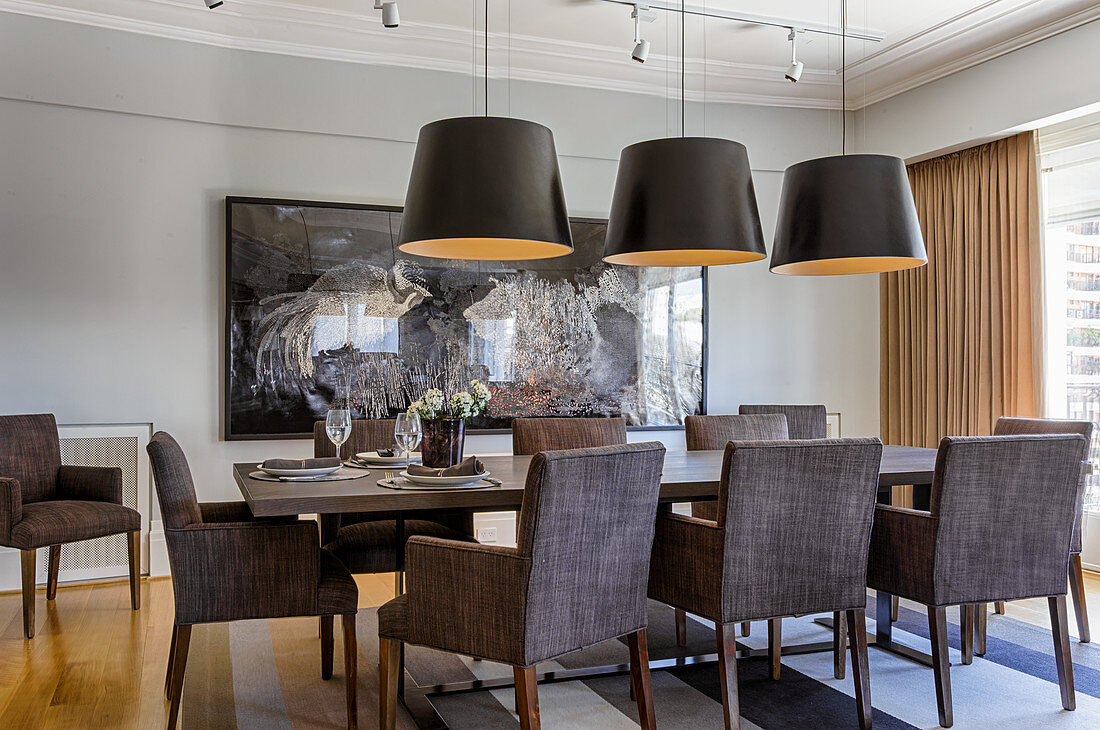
<point>366,542</point>
<point>999,528</point>
<point>228,566</point>
<point>1015,426</point>
<point>803,422</point>
<point>791,539</point>
<point>44,503</point>
<point>576,577</point>
<point>711,433</point>
<point>532,435</point>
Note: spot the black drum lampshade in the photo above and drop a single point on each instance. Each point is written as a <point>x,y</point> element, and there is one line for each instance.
<point>485,188</point>
<point>684,201</point>
<point>852,214</point>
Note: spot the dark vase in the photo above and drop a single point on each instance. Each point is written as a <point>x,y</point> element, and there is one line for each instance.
<point>443,441</point>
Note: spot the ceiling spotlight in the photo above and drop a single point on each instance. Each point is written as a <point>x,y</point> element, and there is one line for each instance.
<point>390,16</point>
<point>641,46</point>
<point>794,73</point>
<point>213,4</point>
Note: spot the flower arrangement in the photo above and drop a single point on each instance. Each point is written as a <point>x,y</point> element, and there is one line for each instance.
<point>463,404</point>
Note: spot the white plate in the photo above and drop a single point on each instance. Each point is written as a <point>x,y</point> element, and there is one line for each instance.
<point>444,481</point>
<point>324,471</point>
<point>371,457</point>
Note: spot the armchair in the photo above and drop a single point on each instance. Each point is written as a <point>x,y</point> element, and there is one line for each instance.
<point>44,503</point>
<point>710,433</point>
<point>1018,426</point>
<point>228,566</point>
<point>794,519</point>
<point>367,542</point>
<point>576,577</point>
<point>990,536</point>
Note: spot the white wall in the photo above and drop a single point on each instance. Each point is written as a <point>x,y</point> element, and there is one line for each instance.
<point>1045,81</point>
<point>117,150</point>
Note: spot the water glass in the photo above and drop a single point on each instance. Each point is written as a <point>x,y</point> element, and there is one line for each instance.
<point>338,427</point>
<point>407,431</point>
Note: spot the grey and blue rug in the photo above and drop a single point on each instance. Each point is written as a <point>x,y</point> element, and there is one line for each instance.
<point>259,675</point>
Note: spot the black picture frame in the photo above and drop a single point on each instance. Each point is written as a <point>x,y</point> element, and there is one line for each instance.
<point>233,200</point>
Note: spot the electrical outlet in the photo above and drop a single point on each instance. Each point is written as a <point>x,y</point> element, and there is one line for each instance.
<point>486,534</point>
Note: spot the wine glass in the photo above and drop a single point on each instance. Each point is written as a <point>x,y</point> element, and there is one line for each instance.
<point>338,426</point>
<point>407,431</point>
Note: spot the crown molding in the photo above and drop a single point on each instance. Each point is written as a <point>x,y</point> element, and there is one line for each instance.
<point>903,55</point>
<point>287,28</point>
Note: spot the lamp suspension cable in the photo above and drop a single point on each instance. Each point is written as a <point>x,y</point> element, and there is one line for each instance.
<point>683,67</point>
<point>843,78</point>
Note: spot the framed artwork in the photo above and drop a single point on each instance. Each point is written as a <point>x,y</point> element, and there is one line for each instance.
<point>320,304</point>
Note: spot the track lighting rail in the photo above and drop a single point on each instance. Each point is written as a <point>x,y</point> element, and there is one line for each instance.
<point>738,17</point>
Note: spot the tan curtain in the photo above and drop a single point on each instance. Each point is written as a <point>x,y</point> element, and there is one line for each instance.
<point>961,337</point>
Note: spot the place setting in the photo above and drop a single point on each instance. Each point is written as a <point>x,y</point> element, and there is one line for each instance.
<point>441,427</point>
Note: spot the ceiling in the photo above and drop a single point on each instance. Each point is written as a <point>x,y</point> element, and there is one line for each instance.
<point>588,42</point>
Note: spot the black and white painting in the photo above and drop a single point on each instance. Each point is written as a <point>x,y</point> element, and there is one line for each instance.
<point>322,305</point>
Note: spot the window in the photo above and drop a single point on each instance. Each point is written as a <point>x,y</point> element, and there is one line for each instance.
<point>1070,159</point>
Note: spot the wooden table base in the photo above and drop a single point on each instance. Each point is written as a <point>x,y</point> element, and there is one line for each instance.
<point>417,698</point>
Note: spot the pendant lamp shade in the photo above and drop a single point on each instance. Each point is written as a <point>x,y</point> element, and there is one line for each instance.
<point>684,201</point>
<point>852,214</point>
<point>485,188</point>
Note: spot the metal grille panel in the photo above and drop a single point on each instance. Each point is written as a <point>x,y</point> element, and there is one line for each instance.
<point>105,557</point>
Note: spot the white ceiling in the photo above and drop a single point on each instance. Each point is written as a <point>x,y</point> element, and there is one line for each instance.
<point>588,42</point>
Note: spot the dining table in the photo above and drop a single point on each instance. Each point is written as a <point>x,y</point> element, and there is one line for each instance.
<point>688,476</point>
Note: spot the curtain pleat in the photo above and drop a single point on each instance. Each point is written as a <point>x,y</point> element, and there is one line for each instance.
<point>961,341</point>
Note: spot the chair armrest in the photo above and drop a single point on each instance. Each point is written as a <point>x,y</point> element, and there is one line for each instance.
<point>686,567</point>
<point>11,506</point>
<point>220,512</point>
<point>901,558</point>
<point>241,570</point>
<point>466,597</point>
<point>90,483</point>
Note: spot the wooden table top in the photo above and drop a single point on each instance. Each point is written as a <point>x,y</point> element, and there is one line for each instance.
<point>688,476</point>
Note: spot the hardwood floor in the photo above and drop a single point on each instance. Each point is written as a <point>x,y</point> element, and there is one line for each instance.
<point>96,663</point>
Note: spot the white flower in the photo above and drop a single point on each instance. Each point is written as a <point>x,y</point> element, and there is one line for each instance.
<point>481,393</point>
<point>462,405</point>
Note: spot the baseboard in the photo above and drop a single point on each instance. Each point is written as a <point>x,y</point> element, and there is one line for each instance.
<point>158,550</point>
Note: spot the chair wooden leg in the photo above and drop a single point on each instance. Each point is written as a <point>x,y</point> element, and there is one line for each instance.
<point>639,674</point>
<point>840,639</point>
<point>941,667</point>
<point>53,565</point>
<point>326,647</point>
<point>527,691</point>
<point>775,644</point>
<point>351,670</point>
<point>1077,591</point>
<point>966,632</point>
<point>861,672</point>
<point>27,563</point>
<point>727,675</point>
<point>981,612</point>
<point>746,628</point>
<point>1059,628</point>
<point>999,607</point>
<point>389,657</point>
<point>171,661</point>
<point>895,602</point>
<point>133,544</point>
<point>681,627</point>
<point>179,666</point>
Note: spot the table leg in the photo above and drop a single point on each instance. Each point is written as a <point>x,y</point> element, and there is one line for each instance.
<point>398,589</point>
<point>884,628</point>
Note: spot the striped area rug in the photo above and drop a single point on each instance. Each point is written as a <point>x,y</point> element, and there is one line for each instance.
<point>262,674</point>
